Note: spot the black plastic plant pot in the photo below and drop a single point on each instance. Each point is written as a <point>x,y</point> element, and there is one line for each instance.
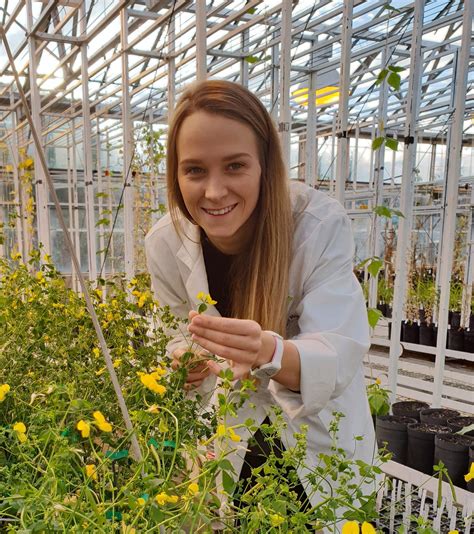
<point>381,306</point>
<point>455,320</point>
<point>458,423</point>
<point>437,416</point>
<point>390,331</point>
<point>388,311</point>
<point>455,339</point>
<point>470,484</point>
<point>422,315</point>
<point>391,430</point>
<point>409,408</point>
<point>471,321</point>
<point>469,340</point>
<point>453,451</point>
<point>411,332</point>
<point>420,448</point>
<point>428,335</point>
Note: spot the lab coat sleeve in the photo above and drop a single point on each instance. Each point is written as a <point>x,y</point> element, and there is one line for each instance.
<point>166,289</point>
<point>333,326</point>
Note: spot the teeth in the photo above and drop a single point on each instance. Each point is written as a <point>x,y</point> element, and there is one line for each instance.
<point>219,212</point>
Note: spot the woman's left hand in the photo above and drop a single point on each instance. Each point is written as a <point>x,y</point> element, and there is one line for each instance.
<point>240,341</point>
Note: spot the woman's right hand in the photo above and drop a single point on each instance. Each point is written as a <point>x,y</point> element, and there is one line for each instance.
<point>197,371</point>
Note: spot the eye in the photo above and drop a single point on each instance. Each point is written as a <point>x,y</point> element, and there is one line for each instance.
<point>193,170</point>
<point>235,166</point>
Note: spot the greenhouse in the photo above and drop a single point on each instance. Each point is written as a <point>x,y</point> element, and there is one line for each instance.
<point>237,266</point>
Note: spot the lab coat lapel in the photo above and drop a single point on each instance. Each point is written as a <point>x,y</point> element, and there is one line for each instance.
<point>190,254</point>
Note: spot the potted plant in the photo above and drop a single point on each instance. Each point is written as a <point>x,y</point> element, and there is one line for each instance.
<point>391,432</point>
<point>455,339</point>
<point>453,451</point>
<point>420,447</point>
<point>379,399</point>
<point>437,416</point>
<point>428,298</point>
<point>409,408</point>
<point>410,327</point>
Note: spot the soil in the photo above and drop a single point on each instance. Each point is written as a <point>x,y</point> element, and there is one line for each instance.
<point>431,429</point>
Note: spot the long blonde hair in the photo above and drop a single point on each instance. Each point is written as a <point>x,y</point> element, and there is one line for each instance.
<point>260,274</point>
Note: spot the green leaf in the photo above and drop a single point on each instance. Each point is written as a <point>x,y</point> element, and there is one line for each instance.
<point>373,316</point>
<point>398,213</point>
<point>393,68</point>
<point>381,77</point>
<point>251,59</point>
<point>377,142</point>
<point>383,211</point>
<point>251,11</point>
<point>119,455</point>
<point>394,80</point>
<point>374,267</point>
<point>228,483</point>
<point>101,222</point>
<point>391,143</point>
<point>202,307</point>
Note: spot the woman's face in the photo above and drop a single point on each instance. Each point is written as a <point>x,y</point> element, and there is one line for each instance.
<point>219,177</point>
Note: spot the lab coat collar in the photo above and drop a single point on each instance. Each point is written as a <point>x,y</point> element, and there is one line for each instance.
<point>191,256</point>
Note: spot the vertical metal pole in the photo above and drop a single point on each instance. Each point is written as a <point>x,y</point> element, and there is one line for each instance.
<point>356,157</point>
<point>333,156</point>
<point>379,171</point>
<point>128,219</point>
<point>76,235</point>
<point>453,158</point>
<point>406,194</point>
<point>171,68</point>
<point>70,202</point>
<point>310,156</point>
<point>274,111</point>
<point>201,45</point>
<point>87,154</point>
<point>244,65</point>
<point>342,163</point>
<point>100,189</point>
<point>284,125</point>
<point>21,235</point>
<point>42,213</point>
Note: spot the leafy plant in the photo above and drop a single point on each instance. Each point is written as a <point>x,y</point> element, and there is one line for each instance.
<point>379,398</point>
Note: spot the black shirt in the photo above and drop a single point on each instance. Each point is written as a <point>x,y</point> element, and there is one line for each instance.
<point>218,267</point>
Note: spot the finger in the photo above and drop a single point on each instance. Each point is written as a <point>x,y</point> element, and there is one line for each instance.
<point>225,324</point>
<point>242,342</point>
<point>194,377</point>
<point>191,314</point>
<point>229,353</point>
<point>188,386</point>
<point>214,367</point>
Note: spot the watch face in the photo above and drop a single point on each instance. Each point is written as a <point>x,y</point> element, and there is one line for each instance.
<point>266,372</point>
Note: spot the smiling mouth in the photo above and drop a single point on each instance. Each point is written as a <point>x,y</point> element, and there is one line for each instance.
<point>223,211</point>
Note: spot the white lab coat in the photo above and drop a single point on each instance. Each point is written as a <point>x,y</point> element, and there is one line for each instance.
<point>327,323</point>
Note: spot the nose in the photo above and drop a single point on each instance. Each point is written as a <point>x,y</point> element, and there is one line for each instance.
<point>216,187</point>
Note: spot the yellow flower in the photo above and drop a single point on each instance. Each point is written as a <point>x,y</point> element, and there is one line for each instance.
<point>150,382</point>
<point>15,256</point>
<point>96,352</point>
<point>91,471</point>
<point>206,298</point>
<point>19,427</point>
<point>133,282</point>
<point>350,527</point>
<point>378,381</point>
<point>153,409</point>
<point>20,430</point>
<point>143,298</point>
<point>158,372</point>
<point>101,371</point>
<point>221,431</point>
<point>4,389</point>
<point>276,520</point>
<point>84,428</point>
<point>141,501</point>
<point>98,292</point>
<point>453,532</point>
<point>193,488</point>
<point>101,422</point>
<point>467,477</point>
<point>233,436</point>
<point>136,293</point>
<point>163,498</point>
<point>367,528</point>
<point>117,362</point>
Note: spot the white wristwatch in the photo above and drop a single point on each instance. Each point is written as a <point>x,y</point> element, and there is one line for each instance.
<point>270,369</point>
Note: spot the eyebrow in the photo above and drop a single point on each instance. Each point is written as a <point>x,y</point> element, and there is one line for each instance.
<point>227,158</point>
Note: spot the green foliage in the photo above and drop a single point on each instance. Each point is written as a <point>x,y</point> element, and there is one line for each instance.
<point>385,211</point>
<point>373,316</point>
<point>57,474</point>
<point>379,399</point>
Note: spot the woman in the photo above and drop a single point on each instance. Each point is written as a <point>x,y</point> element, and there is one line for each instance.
<point>277,258</point>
